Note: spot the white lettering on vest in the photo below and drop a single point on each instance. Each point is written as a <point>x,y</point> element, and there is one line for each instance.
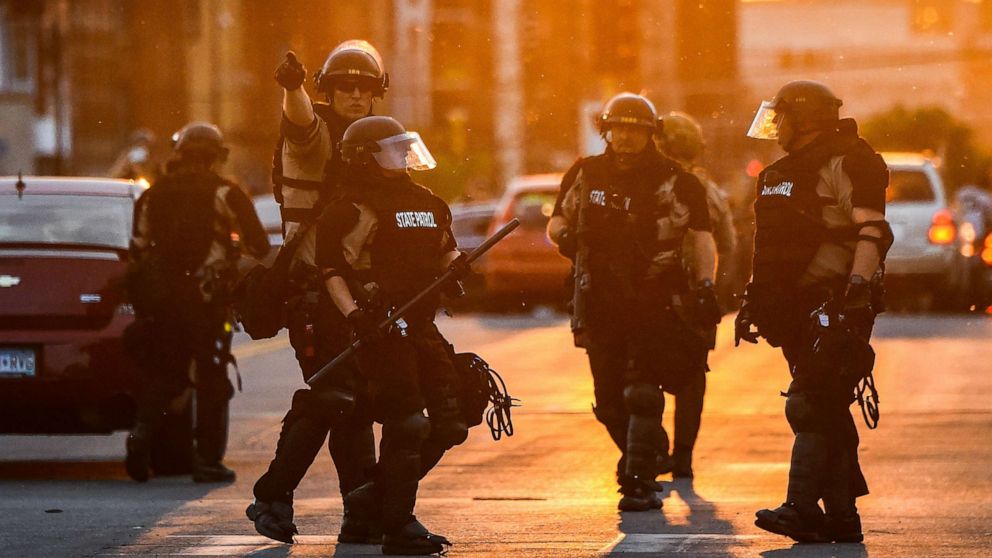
<point>782,189</point>
<point>597,197</point>
<point>416,220</point>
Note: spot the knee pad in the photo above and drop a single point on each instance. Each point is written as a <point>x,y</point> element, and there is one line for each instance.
<point>643,399</point>
<point>413,428</point>
<point>800,412</point>
<point>449,433</point>
<point>610,416</point>
<point>324,405</point>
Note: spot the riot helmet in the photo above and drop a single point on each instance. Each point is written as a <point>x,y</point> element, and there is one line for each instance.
<point>628,108</point>
<point>200,140</point>
<point>804,102</point>
<point>384,141</point>
<point>353,61</point>
<point>681,137</point>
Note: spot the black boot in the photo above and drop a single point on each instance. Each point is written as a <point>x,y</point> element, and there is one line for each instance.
<point>211,472</point>
<point>362,519</point>
<point>139,456</point>
<point>802,526</point>
<point>639,495</point>
<point>413,539</point>
<point>682,463</point>
<point>273,520</point>
<point>843,529</point>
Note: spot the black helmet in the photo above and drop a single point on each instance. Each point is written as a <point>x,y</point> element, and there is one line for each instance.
<point>384,141</point>
<point>200,139</point>
<point>628,108</point>
<point>682,137</point>
<point>808,101</point>
<point>357,59</point>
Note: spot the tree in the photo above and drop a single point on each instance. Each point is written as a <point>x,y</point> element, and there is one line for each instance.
<point>930,129</point>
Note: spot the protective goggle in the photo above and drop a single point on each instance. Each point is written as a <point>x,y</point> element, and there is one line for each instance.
<point>347,85</point>
<point>404,151</point>
<point>766,122</point>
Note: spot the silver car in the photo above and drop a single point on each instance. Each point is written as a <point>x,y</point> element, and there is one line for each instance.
<point>924,268</point>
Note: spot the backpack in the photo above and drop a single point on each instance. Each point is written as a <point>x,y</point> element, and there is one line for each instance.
<point>259,298</point>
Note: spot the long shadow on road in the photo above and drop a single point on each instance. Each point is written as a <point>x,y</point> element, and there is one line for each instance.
<point>695,528</point>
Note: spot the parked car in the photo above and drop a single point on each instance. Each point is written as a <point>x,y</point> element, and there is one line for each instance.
<point>470,224</point>
<point>63,369</point>
<point>526,267</point>
<point>268,213</point>
<point>924,267</point>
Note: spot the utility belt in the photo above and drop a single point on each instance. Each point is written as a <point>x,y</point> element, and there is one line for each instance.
<point>304,278</point>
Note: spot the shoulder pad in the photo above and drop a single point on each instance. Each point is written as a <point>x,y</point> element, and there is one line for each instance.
<point>865,167</point>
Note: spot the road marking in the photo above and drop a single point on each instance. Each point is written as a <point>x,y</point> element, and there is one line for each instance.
<point>645,543</point>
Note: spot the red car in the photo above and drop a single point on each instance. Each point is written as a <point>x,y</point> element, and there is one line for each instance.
<point>526,266</point>
<point>63,247</point>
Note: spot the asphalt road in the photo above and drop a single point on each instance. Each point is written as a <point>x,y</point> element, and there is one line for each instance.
<point>549,490</point>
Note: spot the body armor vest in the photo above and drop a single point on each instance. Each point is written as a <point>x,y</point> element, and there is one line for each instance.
<point>788,213</point>
<point>406,252</point>
<point>301,199</point>
<point>633,219</point>
<point>183,221</point>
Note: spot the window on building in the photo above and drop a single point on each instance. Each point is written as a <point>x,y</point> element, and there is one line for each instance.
<point>18,51</point>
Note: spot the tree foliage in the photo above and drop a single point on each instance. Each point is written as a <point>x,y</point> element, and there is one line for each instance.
<point>930,129</point>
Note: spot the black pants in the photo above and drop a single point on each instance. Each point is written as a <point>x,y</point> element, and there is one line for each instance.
<point>406,376</point>
<point>825,450</point>
<point>180,349</point>
<point>635,349</point>
<point>336,409</point>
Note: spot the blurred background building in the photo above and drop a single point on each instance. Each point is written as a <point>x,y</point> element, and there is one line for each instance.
<point>496,87</point>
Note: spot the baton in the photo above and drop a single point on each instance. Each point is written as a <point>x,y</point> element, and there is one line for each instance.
<point>398,314</point>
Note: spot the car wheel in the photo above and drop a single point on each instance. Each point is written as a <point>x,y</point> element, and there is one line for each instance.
<point>172,446</point>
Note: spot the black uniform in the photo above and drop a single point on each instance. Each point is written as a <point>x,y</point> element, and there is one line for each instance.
<point>393,233</point>
<point>184,259</point>
<point>318,333</point>
<point>804,245</point>
<point>638,335</point>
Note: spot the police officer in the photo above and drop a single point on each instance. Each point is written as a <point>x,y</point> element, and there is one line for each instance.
<point>682,140</point>
<point>187,228</point>
<point>820,238</point>
<point>380,245</point>
<point>307,172</point>
<point>624,216</point>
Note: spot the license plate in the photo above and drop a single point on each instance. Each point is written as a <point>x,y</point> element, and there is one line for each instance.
<point>17,362</point>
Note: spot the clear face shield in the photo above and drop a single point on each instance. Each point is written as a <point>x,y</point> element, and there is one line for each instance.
<point>766,122</point>
<point>404,151</point>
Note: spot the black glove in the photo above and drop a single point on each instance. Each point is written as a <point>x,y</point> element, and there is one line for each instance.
<point>460,266</point>
<point>854,307</point>
<point>568,244</point>
<point>291,74</point>
<point>743,323</point>
<point>708,312</point>
<point>364,326</point>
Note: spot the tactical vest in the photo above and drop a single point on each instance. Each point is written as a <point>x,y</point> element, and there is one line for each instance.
<point>406,251</point>
<point>632,221</point>
<point>788,214</point>
<point>300,199</point>
<point>183,221</point>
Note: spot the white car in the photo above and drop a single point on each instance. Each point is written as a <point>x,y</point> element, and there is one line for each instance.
<point>924,268</point>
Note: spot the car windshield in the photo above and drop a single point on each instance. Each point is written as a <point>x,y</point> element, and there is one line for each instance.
<point>534,208</point>
<point>66,220</point>
<point>909,186</point>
